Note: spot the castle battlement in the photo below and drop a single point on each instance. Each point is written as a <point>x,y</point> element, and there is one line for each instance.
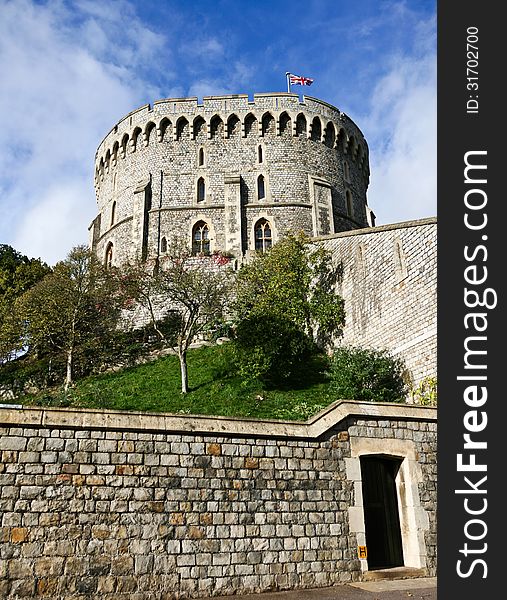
<point>175,112</point>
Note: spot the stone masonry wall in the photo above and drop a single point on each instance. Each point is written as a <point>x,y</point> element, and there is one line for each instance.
<point>389,285</point>
<point>169,146</point>
<point>114,512</point>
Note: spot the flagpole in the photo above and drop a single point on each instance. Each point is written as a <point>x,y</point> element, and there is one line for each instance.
<point>288,81</point>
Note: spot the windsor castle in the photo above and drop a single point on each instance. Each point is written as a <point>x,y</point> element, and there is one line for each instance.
<point>232,175</point>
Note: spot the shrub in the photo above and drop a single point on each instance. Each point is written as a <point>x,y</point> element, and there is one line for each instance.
<point>270,348</point>
<point>363,374</point>
<point>426,392</point>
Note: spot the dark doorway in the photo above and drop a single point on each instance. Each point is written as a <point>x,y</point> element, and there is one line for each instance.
<point>383,533</point>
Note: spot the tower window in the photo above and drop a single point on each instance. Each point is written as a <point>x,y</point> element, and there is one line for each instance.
<point>263,235</point>
<point>348,197</point>
<point>261,187</point>
<point>163,245</point>
<point>200,238</point>
<point>346,171</point>
<point>201,190</point>
<point>260,154</point>
<point>201,157</point>
<point>109,256</point>
<point>113,213</point>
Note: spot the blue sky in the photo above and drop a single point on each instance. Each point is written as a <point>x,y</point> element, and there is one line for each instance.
<point>72,68</point>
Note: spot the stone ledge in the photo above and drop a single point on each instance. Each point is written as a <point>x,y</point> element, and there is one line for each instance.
<point>165,422</point>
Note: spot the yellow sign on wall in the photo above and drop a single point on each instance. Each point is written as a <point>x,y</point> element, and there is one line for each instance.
<point>361,551</point>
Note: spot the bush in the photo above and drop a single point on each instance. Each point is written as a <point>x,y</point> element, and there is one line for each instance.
<point>363,374</point>
<point>270,349</point>
<point>426,392</point>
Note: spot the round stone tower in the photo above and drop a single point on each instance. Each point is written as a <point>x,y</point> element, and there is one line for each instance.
<point>228,175</point>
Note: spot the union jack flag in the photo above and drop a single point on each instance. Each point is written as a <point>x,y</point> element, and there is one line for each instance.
<point>297,80</point>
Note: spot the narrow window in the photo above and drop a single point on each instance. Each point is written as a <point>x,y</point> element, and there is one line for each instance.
<point>261,187</point>
<point>113,213</point>
<point>201,157</point>
<point>260,154</point>
<point>263,235</point>
<point>348,196</point>
<point>201,190</point>
<point>109,256</point>
<point>346,171</point>
<point>163,245</point>
<point>200,238</point>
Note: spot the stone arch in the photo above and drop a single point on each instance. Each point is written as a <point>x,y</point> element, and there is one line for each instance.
<point>263,235</point>
<point>316,130</point>
<point>108,255</point>
<point>261,187</point>
<point>201,237</point>
<point>201,190</point>
<point>262,216</point>
<point>330,135</point>
<point>201,157</point>
<point>285,124</point>
<point>216,127</point>
<point>251,126</point>
<point>135,138</point>
<point>107,161</point>
<point>124,144</point>
<point>114,156</point>
<point>113,214</point>
<point>199,127</point>
<point>101,168</point>
<point>149,131</point>
<point>301,125</point>
<point>350,146</point>
<point>349,204</point>
<point>233,125</point>
<point>164,129</point>
<point>268,124</point>
<point>182,128</point>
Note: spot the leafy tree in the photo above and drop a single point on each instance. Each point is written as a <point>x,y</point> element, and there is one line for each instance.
<point>18,273</point>
<point>71,310</point>
<point>289,288</point>
<point>197,290</point>
<point>364,374</point>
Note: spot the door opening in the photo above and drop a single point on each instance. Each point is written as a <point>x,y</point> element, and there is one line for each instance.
<point>381,516</point>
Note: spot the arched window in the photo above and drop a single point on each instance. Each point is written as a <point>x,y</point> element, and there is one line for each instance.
<point>201,190</point>
<point>163,245</point>
<point>348,197</point>
<point>263,235</point>
<point>261,187</point>
<point>109,256</point>
<point>113,212</point>
<point>201,157</point>
<point>260,154</point>
<point>346,170</point>
<point>200,238</point>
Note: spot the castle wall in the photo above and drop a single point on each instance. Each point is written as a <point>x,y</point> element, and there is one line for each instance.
<point>98,504</point>
<point>389,285</point>
<point>296,146</point>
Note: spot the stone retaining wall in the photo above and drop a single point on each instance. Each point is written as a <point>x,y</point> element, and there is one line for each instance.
<point>113,505</point>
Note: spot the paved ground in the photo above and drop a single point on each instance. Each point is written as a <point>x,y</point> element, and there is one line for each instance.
<point>423,588</point>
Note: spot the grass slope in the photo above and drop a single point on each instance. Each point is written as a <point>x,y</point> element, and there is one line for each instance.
<point>215,389</point>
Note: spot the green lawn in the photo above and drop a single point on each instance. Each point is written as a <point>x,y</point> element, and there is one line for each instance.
<point>215,389</point>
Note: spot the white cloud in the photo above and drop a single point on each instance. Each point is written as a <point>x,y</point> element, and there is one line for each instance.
<point>66,77</point>
<point>401,132</point>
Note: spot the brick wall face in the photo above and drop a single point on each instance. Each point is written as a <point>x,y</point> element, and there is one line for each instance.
<point>115,514</point>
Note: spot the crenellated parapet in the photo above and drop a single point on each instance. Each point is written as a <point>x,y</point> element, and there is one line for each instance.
<point>314,118</point>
